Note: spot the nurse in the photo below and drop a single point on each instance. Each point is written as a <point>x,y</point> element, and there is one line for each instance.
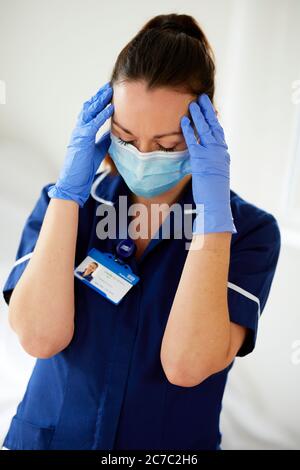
<point>87,273</point>
<point>141,360</point>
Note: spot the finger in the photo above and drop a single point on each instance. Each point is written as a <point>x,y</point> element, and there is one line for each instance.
<point>100,103</point>
<point>87,104</point>
<point>91,111</point>
<point>99,92</point>
<point>188,131</point>
<point>202,126</point>
<point>105,114</point>
<point>211,117</point>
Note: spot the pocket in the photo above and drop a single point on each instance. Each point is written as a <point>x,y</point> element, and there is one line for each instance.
<point>23,435</point>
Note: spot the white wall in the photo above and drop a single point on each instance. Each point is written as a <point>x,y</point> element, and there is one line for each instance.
<point>55,54</point>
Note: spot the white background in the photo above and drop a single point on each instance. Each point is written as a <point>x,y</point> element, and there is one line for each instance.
<point>56,54</point>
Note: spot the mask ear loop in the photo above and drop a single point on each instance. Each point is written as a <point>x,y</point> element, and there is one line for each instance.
<point>95,186</point>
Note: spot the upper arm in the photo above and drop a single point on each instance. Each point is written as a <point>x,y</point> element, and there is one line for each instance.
<point>28,239</point>
<point>252,267</point>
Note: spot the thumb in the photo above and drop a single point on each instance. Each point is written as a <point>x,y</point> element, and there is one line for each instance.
<point>102,145</point>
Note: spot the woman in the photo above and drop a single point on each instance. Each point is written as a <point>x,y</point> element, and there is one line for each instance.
<point>87,273</point>
<point>149,372</point>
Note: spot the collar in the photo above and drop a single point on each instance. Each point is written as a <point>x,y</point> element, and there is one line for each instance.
<point>107,189</point>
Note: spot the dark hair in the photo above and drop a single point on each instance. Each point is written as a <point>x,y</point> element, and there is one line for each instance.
<point>169,51</point>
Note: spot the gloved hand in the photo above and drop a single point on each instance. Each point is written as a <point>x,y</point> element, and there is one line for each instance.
<point>210,162</point>
<point>84,155</point>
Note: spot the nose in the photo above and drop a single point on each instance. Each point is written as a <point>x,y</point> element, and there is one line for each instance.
<point>145,146</point>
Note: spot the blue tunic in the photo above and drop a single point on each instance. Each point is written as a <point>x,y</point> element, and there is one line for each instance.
<point>107,389</point>
<point>88,277</point>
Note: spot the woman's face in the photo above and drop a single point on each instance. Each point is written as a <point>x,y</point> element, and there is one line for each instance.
<point>90,268</point>
<point>141,117</point>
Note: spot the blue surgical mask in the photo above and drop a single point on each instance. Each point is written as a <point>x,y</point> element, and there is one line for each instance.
<point>148,174</point>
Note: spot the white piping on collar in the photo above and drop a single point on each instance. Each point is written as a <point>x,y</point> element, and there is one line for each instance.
<point>95,186</point>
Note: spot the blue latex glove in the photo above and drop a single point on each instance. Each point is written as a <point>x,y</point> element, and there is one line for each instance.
<point>84,155</point>
<point>210,162</point>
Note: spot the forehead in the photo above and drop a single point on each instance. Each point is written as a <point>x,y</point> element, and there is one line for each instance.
<point>149,112</point>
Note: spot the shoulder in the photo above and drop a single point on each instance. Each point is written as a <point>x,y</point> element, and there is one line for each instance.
<point>254,254</point>
<point>253,222</point>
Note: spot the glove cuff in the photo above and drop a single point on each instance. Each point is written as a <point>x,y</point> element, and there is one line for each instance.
<point>58,193</point>
<point>219,220</point>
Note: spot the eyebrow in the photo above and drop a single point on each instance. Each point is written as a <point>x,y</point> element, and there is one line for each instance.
<point>158,136</point>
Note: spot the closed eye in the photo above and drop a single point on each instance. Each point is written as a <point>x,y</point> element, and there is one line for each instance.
<point>164,149</point>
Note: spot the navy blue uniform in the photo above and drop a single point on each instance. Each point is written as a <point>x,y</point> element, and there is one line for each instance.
<point>88,277</point>
<point>107,389</point>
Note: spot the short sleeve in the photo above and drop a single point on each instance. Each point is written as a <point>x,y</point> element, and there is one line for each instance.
<point>27,243</point>
<point>253,262</point>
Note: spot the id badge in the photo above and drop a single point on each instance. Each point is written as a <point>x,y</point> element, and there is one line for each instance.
<point>106,274</point>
